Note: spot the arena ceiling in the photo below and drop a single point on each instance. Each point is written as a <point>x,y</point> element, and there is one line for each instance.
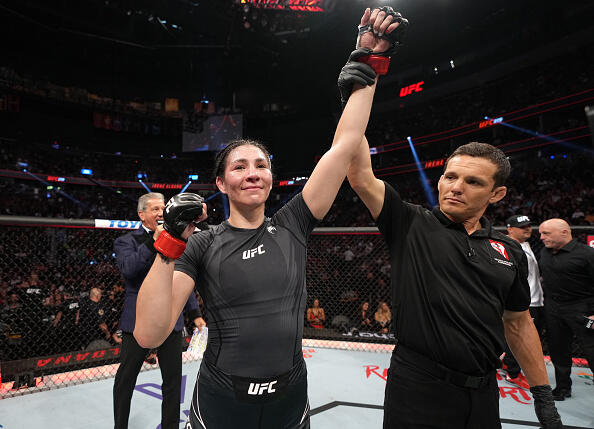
<point>194,48</point>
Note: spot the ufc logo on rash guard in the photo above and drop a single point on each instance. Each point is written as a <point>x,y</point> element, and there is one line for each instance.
<point>260,388</point>
<point>247,254</point>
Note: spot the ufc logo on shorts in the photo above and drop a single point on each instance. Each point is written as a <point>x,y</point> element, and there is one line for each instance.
<point>260,388</point>
<point>247,254</point>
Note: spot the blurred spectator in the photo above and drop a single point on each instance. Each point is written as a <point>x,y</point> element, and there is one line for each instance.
<point>92,327</point>
<point>315,315</point>
<point>365,318</point>
<point>383,318</point>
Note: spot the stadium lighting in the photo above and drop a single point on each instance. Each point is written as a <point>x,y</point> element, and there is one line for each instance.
<point>193,176</point>
<point>452,64</point>
<point>86,171</point>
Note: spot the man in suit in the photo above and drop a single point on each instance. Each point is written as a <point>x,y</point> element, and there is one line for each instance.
<point>135,254</point>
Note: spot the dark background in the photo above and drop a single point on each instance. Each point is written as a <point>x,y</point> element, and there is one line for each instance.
<point>280,73</point>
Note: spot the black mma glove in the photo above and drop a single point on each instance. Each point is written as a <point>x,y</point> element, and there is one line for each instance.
<point>380,61</point>
<point>545,409</point>
<point>395,37</point>
<point>354,72</point>
<point>180,211</point>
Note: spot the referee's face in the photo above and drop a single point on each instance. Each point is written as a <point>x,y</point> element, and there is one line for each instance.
<point>466,188</point>
<point>247,179</point>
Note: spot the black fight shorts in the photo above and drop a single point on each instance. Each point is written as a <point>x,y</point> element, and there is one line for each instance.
<point>221,401</point>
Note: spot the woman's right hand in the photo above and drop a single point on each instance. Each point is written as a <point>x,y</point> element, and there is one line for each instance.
<point>190,228</point>
<point>192,225</point>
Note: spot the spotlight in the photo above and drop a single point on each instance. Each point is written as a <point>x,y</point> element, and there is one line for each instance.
<point>452,64</point>
<point>435,70</point>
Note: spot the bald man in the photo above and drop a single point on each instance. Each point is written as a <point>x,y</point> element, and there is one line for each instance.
<point>92,326</point>
<point>567,269</point>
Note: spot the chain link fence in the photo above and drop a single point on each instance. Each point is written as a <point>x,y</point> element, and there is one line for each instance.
<point>49,267</point>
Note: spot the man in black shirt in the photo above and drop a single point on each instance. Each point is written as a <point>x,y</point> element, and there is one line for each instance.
<point>567,269</point>
<point>457,287</point>
<point>92,326</point>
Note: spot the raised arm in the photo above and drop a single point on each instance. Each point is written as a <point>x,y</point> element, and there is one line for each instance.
<point>160,301</point>
<point>360,173</point>
<point>369,188</point>
<point>163,292</point>
<point>326,179</point>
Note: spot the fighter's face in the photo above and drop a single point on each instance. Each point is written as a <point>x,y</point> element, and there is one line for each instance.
<point>466,187</point>
<point>248,179</point>
<point>152,213</point>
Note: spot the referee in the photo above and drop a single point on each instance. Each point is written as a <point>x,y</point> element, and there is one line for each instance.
<point>457,286</point>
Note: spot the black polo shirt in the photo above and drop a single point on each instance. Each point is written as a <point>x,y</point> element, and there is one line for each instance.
<point>91,316</point>
<point>450,289</point>
<point>568,274</point>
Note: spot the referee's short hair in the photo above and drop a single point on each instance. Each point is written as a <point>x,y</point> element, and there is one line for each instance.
<point>489,152</point>
<point>150,196</point>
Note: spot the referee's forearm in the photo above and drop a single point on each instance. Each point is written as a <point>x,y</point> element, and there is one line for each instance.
<point>153,305</point>
<point>524,342</point>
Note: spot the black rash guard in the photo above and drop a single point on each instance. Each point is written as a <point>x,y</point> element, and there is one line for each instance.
<point>252,282</point>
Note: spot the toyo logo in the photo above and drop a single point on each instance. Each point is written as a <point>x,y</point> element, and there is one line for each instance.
<point>117,224</point>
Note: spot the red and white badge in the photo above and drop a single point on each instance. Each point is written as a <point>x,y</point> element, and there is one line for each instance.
<point>499,247</point>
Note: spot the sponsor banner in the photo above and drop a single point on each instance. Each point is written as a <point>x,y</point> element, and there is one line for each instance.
<point>58,363</point>
<point>373,335</point>
<point>590,240</point>
<point>117,224</point>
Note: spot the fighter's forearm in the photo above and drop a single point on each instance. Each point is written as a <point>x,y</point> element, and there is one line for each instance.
<point>153,305</point>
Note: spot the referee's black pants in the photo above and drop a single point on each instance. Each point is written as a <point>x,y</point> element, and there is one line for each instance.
<point>416,399</point>
<point>563,321</point>
<point>170,363</point>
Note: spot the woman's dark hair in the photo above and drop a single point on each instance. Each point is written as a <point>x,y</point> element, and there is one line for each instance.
<point>221,157</point>
<point>489,152</point>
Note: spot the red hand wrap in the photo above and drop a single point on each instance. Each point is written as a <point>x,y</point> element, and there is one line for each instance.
<point>169,246</point>
<point>378,63</point>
